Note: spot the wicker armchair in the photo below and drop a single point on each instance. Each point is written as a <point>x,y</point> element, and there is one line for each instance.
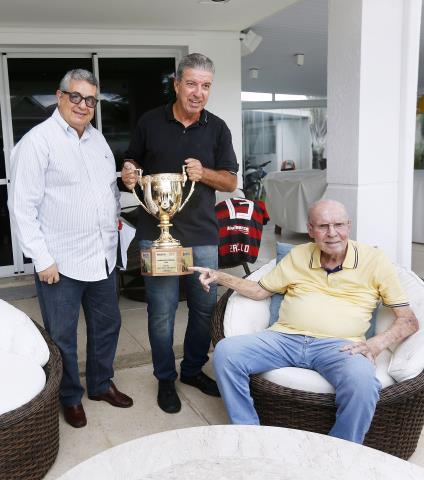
<point>29,435</point>
<point>397,423</point>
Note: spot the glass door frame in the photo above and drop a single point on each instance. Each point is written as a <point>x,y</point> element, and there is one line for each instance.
<point>19,267</point>
<point>6,124</point>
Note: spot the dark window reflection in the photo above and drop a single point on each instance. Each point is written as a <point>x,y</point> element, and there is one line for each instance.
<point>33,84</point>
<point>2,161</point>
<point>6,254</point>
<point>130,87</point>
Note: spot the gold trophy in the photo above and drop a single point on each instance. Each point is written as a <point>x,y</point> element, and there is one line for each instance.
<point>163,195</point>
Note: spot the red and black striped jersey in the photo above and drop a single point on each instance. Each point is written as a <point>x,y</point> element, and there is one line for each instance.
<point>240,224</point>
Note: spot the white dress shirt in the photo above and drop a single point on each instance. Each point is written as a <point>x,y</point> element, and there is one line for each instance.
<point>64,201</point>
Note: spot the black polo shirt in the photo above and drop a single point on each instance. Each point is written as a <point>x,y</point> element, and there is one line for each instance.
<point>160,144</point>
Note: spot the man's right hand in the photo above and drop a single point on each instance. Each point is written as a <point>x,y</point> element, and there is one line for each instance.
<point>50,275</point>
<point>206,277</point>
<point>129,175</point>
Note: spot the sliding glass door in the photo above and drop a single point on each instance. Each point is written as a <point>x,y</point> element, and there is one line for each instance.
<point>33,83</point>
<point>129,85</point>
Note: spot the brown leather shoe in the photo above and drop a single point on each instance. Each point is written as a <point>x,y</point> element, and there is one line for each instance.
<point>75,415</point>
<point>114,397</point>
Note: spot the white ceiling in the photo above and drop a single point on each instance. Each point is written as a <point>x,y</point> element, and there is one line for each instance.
<point>299,28</point>
<point>151,14</point>
<point>287,27</point>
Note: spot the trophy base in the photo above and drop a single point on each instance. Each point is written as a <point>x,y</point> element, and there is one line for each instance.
<point>166,261</point>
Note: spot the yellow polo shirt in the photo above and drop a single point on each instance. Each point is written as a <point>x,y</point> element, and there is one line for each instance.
<point>338,304</point>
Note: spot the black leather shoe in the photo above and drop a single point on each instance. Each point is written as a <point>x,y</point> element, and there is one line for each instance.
<point>168,399</point>
<point>114,397</point>
<point>204,383</point>
<point>75,415</point>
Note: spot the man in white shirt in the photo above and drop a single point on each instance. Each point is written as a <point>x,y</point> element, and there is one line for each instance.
<point>64,204</point>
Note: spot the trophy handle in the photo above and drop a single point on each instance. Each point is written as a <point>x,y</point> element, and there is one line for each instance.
<point>153,209</point>
<point>191,188</point>
<point>147,197</point>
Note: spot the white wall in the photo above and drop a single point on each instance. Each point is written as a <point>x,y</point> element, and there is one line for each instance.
<point>222,47</point>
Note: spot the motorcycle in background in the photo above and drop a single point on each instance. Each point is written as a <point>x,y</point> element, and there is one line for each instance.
<point>253,175</point>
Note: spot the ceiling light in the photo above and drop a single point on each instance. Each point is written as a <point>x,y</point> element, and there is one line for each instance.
<point>300,59</point>
<point>211,2</point>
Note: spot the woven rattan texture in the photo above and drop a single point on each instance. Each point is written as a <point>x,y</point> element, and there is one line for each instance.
<point>396,426</point>
<point>29,435</point>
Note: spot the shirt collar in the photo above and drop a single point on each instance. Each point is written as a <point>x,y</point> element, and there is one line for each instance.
<point>170,115</point>
<point>61,121</point>
<point>350,261</point>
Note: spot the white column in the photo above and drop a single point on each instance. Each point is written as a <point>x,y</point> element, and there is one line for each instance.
<point>373,50</point>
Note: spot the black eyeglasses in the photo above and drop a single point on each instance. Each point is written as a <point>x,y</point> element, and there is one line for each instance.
<point>77,98</point>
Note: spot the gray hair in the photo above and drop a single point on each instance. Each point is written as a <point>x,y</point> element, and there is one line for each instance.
<point>77,74</point>
<point>196,61</point>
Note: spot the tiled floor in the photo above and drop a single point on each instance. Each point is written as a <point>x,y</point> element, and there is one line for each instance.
<point>108,426</point>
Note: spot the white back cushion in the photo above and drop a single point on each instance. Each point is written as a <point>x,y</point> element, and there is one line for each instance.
<point>19,335</point>
<point>243,315</point>
<point>414,290</point>
<point>408,356</point>
<point>22,378</point>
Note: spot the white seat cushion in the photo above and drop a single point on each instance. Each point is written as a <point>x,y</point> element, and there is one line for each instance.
<point>24,379</point>
<point>19,335</point>
<point>311,381</point>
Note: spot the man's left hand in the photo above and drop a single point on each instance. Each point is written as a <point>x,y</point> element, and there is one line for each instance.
<point>194,169</point>
<point>364,348</point>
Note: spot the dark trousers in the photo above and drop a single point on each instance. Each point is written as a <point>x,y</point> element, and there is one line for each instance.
<point>60,306</point>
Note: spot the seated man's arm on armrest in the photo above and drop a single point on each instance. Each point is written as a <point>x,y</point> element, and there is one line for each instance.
<point>244,287</point>
<point>404,325</point>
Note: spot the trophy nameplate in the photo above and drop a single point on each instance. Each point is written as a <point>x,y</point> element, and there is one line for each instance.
<point>163,194</point>
<point>166,261</point>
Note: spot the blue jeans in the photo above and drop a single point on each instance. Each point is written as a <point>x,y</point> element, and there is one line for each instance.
<point>352,376</point>
<point>162,295</point>
<point>60,306</point>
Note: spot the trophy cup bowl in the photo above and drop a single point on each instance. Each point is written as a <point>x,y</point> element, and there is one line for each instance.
<point>163,198</point>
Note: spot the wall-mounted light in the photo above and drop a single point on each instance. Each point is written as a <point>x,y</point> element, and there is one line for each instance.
<point>253,73</point>
<point>205,2</point>
<point>300,59</point>
<point>249,42</point>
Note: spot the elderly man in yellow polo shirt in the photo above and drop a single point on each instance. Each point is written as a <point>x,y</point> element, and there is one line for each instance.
<point>331,288</point>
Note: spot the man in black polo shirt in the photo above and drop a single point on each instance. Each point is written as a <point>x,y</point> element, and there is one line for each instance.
<point>165,139</point>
